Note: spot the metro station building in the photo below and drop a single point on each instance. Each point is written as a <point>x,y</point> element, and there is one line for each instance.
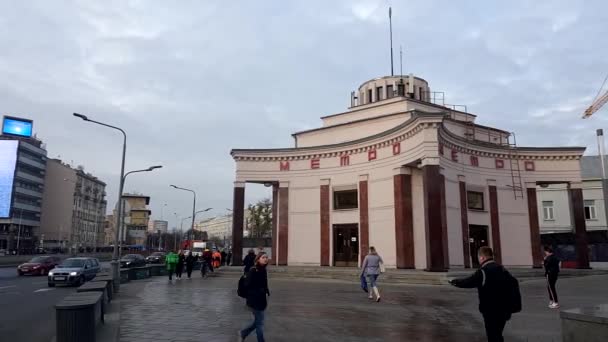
<point>420,181</point>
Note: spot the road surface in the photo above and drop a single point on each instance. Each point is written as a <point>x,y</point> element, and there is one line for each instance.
<point>27,304</point>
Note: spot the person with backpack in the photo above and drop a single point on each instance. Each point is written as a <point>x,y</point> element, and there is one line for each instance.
<point>171,261</point>
<point>551,264</point>
<point>254,287</point>
<point>371,268</point>
<point>498,290</point>
<point>249,261</point>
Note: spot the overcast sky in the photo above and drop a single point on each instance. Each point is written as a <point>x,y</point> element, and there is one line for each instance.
<point>190,80</point>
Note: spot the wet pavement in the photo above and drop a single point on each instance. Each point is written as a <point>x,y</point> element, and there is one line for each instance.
<point>327,310</point>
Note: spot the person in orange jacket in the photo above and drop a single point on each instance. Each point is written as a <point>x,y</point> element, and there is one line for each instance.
<point>217,259</point>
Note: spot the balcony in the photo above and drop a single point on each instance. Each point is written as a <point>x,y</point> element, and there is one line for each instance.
<point>32,148</point>
<point>31,178</point>
<point>28,192</point>
<point>23,206</point>
<point>31,162</point>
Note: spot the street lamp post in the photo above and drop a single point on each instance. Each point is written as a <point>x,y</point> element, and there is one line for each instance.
<point>114,263</point>
<point>193,202</point>
<point>124,178</point>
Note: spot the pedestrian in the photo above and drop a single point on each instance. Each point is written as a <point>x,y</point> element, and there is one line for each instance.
<point>223,254</point>
<point>256,284</point>
<point>181,258</point>
<point>206,264</point>
<point>551,264</point>
<point>371,268</point>
<point>490,280</point>
<point>171,261</point>
<point>217,259</point>
<point>228,257</point>
<point>249,261</point>
<point>190,260</point>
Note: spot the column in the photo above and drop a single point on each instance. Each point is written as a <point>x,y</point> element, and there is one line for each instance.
<point>537,258</point>
<point>325,231</point>
<point>275,222</point>
<point>444,221</point>
<point>363,217</point>
<point>464,221</point>
<point>404,218</point>
<point>238,211</point>
<point>494,220</point>
<point>283,243</point>
<point>433,217</point>
<point>580,230</point>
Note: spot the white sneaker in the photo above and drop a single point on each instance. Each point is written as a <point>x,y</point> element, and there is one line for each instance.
<point>554,306</point>
<point>550,303</point>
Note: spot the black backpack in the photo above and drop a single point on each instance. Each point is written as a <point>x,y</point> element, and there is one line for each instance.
<point>241,291</point>
<point>513,296</point>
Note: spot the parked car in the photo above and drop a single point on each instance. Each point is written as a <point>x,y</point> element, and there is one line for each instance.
<point>156,258</point>
<point>40,265</point>
<point>132,260</point>
<point>74,271</point>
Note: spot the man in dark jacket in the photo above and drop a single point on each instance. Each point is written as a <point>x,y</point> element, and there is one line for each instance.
<point>551,264</point>
<point>248,261</point>
<point>490,280</point>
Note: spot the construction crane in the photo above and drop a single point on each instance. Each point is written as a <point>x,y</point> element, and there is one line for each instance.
<point>598,102</point>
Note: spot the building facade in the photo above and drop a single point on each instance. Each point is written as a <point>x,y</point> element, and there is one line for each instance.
<point>154,226</point>
<point>73,208</point>
<point>422,182</point>
<point>136,219</point>
<point>108,228</point>
<point>556,219</point>
<point>216,227</point>
<point>26,163</point>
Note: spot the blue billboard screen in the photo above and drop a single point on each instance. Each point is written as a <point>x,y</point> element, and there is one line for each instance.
<point>8,162</point>
<point>16,126</point>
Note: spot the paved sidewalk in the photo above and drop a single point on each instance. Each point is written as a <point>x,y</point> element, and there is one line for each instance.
<point>326,310</point>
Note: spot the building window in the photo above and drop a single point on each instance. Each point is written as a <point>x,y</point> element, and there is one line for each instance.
<point>548,211</point>
<point>389,91</point>
<point>369,96</point>
<point>475,200</point>
<point>401,89</point>
<point>346,199</point>
<point>590,210</point>
<point>378,93</point>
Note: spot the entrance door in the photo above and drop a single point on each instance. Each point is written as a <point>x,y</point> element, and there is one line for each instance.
<point>478,237</point>
<point>346,245</point>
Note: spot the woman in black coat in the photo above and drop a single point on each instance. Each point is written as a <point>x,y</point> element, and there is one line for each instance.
<point>256,283</point>
<point>181,258</point>
<point>190,260</point>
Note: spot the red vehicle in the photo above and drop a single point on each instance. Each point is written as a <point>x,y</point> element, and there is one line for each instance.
<point>40,265</point>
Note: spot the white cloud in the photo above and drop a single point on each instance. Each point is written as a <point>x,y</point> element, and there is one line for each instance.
<point>191,80</point>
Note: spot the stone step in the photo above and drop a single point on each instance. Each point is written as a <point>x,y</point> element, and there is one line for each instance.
<point>395,276</point>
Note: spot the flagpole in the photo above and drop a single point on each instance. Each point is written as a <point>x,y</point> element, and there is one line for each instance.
<point>390,20</point>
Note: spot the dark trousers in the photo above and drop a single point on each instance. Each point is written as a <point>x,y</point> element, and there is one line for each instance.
<point>494,324</point>
<point>170,271</point>
<point>257,325</point>
<point>189,270</point>
<point>179,270</point>
<point>551,280</point>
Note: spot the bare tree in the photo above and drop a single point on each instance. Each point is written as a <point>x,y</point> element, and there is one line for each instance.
<point>259,222</point>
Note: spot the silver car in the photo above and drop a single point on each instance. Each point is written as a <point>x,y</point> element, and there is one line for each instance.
<point>74,271</point>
